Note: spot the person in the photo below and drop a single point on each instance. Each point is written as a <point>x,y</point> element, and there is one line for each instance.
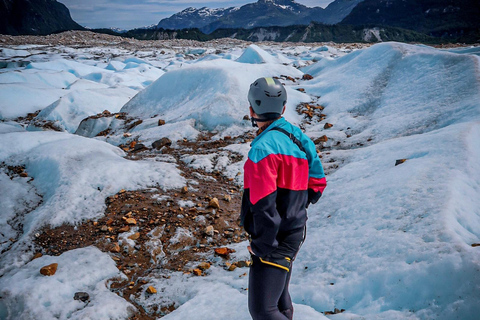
<point>282,176</point>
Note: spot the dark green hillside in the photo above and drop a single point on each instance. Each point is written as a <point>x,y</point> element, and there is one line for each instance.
<point>35,17</point>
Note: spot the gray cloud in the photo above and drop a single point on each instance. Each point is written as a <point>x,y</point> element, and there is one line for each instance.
<point>129,14</point>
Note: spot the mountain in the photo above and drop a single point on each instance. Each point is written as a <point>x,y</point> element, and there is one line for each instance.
<point>334,12</point>
<point>263,13</point>
<point>439,18</point>
<point>37,17</point>
<point>193,18</point>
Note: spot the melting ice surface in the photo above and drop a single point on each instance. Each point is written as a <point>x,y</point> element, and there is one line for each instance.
<point>384,241</point>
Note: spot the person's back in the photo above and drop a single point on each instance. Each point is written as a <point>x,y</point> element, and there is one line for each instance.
<point>283,174</point>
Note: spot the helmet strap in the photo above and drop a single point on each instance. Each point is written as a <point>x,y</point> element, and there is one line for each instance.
<point>254,121</point>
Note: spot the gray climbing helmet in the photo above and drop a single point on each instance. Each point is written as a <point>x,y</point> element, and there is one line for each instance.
<point>267,96</point>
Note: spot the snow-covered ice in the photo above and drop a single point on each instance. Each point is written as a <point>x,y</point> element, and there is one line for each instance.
<point>26,294</point>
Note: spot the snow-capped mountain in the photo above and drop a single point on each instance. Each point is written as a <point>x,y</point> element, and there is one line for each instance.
<point>262,13</point>
<point>194,18</point>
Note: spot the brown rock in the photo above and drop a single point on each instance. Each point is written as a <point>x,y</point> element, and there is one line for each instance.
<point>243,264</point>
<point>104,228</point>
<point>214,204</point>
<point>134,236</point>
<point>230,266</point>
<point>327,125</point>
<point>151,290</point>
<point>164,142</point>
<point>301,89</point>
<point>204,266</point>
<point>197,272</point>
<point>227,198</point>
<point>400,161</point>
<point>224,251</point>
<point>37,255</point>
<point>131,221</point>
<point>321,139</point>
<point>124,229</point>
<point>161,122</point>
<point>306,76</point>
<point>49,270</point>
<point>132,144</point>
<point>209,231</point>
<point>246,117</point>
<point>185,189</point>
<point>115,248</point>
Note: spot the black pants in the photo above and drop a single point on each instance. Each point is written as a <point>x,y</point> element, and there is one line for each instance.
<point>268,296</point>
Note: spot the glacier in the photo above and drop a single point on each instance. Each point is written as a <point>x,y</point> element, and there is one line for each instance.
<point>384,241</point>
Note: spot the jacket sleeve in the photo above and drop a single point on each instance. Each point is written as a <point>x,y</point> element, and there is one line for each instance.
<point>316,176</point>
<point>261,181</point>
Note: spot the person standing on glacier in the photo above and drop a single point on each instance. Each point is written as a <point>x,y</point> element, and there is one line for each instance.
<point>282,176</point>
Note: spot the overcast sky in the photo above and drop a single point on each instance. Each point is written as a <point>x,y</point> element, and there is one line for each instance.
<point>128,14</point>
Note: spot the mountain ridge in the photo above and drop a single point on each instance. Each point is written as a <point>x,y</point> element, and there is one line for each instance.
<point>263,13</point>
<point>35,17</point>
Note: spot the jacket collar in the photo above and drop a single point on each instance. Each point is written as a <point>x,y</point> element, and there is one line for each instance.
<point>276,123</point>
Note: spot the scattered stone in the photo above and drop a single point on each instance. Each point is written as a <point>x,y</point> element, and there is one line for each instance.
<point>131,221</point>
<point>335,311</point>
<point>197,272</point>
<point>37,255</point>
<point>24,174</point>
<point>243,263</point>
<point>307,76</point>
<point>127,135</point>
<point>327,125</point>
<point>400,161</point>
<point>161,122</point>
<point>151,290</point>
<point>139,146</point>
<point>104,228</point>
<point>301,89</point>
<point>230,266</point>
<point>184,189</point>
<point>164,142</point>
<point>321,139</point>
<point>122,191</point>
<point>134,236</point>
<point>124,229</point>
<point>204,266</point>
<point>81,296</point>
<point>115,248</point>
<point>214,204</point>
<point>227,198</point>
<point>246,117</point>
<point>224,251</point>
<point>210,231</point>
<point>49,270</point>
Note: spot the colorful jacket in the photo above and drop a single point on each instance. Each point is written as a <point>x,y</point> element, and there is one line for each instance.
<point>280,181</point>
